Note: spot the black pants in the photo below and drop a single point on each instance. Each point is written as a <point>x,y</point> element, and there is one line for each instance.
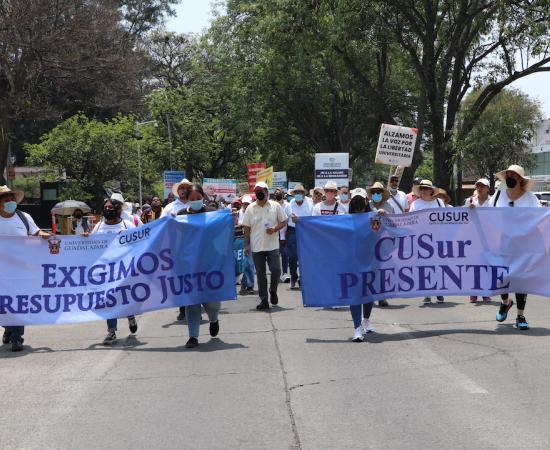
<point>521,300</point>
<point>273,260</point>
<point>16,332</point>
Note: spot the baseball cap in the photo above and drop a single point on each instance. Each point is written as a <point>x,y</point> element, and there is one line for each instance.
<point>261,184</point>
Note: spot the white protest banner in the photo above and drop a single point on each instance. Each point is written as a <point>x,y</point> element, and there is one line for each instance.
<point>170,178</point>
<point>75,279</point>
<point>332,167</point>
<point>220,189</point>
<point>396,145</point>
<point>279,180</point>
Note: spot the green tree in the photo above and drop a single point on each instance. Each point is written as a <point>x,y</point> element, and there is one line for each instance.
<point>501,135</point>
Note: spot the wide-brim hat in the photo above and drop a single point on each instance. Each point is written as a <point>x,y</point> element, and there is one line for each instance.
<point>19,195</point>
<point>385,193</point>
<point>443,193</point>
<point>298,188</point>
<point>330,185</point>
<point>425,184</point>
<point>518,170</point>
<point>176,186</point>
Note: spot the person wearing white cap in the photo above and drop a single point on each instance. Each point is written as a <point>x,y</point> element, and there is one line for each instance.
<point>262,222</point>
<point>516,195</point>
<point>330,206</point>
<point>247,280</point>
<point>180,192</point>
<point>14,222</point>
<point>426,194</point>
<point>299,206</point>
<point>481,196</point>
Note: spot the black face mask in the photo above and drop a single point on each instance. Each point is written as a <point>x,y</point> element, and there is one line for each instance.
<point>260,195</point>
<point>511,182</point>
<point>78,217</point>
<point>109,214</point>
<point>279,197</point>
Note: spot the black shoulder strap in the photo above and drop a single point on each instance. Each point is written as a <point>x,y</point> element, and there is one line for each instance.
<point>439,203</point>
<point>396,202</point>
<point>335,209</point>
<point>24,220</point>
<point>497,195</point>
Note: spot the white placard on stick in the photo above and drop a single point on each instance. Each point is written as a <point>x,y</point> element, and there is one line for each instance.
<point>396,145</point>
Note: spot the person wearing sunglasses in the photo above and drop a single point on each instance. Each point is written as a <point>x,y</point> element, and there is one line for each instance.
<point>426,194</point>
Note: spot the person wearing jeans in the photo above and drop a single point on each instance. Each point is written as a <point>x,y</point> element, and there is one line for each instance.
<point>193,315</point>
<point>262,222</point>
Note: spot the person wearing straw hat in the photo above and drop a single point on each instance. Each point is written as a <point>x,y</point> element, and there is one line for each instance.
<point>14,222</point>
<point>426,194</point>
<point>378,197</point>
<point>317,195</point>
<point>180,191</point>
<point>330,206</point>
<point>516,195</point>
<point>446,198</point>
<point>481,195</point>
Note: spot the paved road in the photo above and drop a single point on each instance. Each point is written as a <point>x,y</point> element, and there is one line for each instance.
<point>445,376</point>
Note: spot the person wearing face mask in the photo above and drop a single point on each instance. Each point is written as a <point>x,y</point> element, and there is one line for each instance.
<point>426,194</point>
<point>247,280</point>
<point>300,206</point>
<point>112,222</point>
<point>79,222</point>
<point>330,206</point>
<point>279,195</point>
<point>14,222</point>
<point>398,199</point>
<point>344,198</point>
<point>180,191</point>
<point>196,205</point>
<point>516,195</point>
<point>262,222</point>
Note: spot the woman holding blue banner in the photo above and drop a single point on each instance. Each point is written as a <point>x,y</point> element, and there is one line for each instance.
<point>195,199</point>
<point>516,194</point>
<point>112,222</point>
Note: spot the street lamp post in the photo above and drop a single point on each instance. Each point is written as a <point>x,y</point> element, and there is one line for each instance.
<point>138,135</point>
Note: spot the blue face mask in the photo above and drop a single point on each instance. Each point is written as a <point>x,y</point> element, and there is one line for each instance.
<point>376,198</point>
<point>298,197</point>
<point>344,197</point>
<point>10,207</point>
<point>196,205</point>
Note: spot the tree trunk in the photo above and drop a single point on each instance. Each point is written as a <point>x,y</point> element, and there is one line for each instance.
<point>408,175</point>
<point>5,135</point>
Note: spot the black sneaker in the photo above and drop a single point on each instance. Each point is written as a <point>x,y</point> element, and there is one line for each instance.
<point>132,324</point>
<point>17,345</point>
<point>110,338</point>
<point>274,298</point>
<point>521,323</point>
<point>181,315</point>
<point>383,303</point>
<point>214,328</point>
<point>192,343</point>
<point>440,299</point>
<point>6,337</point>
<point>250,291</point>
<point>262,305</point>
<point>503,311</point>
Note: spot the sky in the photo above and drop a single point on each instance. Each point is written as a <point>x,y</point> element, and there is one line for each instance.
<point>194,16</point>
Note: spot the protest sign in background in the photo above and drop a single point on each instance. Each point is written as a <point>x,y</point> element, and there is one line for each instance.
<point>396,145</point>
<point>170,178</point>
<point>265,175</point>
<point>366,257</point>
<point>219,188</point>
<point>333,167</point>
<point>252,170</point>
<point>279,181</point>
<point>169,262</point>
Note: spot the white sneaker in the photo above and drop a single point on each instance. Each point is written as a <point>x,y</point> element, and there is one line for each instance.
<point>358,335</point>
<point>366,326</point>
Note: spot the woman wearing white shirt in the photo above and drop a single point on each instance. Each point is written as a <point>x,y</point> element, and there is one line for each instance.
<point>481,196</point>
<point>426,193</point>
<point>112,222</point>
<point>517,194</point>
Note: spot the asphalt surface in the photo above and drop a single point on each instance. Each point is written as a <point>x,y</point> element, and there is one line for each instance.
<point>443,377</point>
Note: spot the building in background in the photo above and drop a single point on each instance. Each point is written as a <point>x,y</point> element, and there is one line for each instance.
<point>540,146</point>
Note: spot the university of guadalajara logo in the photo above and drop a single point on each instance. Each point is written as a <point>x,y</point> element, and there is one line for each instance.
<point>55,245</point>
<point>375,223</point>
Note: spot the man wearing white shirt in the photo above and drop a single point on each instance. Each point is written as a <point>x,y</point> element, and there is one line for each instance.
<point>398,199</point>
<point>330,206</point>
<point>300,206</point>
<point>180,192</point>
<point>344,198</point>
<point>262,222</point>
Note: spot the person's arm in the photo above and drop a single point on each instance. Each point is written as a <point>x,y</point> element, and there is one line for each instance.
<point>246,240</point>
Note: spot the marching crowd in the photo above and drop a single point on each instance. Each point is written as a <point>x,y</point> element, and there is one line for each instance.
<point>268,227</point>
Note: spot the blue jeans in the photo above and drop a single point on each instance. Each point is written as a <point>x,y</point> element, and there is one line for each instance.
<point>292,252</point>
<point>112,323</point>
<point>193,316</point>
<point>356,313</point>
<point>248,275</point>
<point>16,332</point>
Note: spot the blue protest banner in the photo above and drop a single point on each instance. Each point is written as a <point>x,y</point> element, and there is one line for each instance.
<point>169,262</point>
<point>358,258</point>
